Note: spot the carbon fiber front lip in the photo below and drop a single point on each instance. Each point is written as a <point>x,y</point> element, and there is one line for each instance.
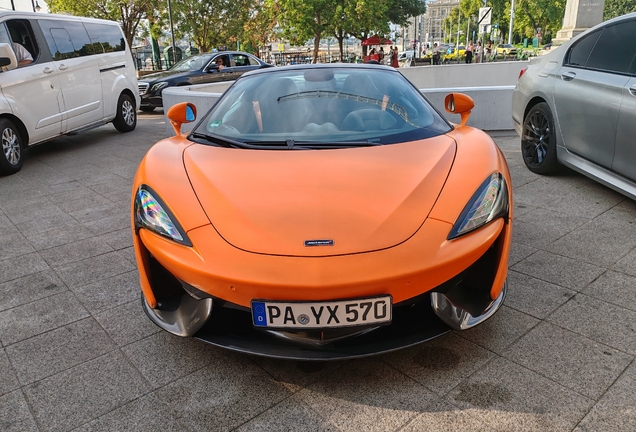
<point>227,328</point>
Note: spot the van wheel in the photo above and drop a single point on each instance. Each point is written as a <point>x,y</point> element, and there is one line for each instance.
<point>126,118</point>
<point>11,159</point>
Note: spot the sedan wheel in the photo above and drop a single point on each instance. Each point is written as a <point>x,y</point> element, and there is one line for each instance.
<point>11,160</point>
<point>538,141</point>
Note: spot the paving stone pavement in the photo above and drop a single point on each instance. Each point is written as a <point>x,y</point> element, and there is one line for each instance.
<point>78,353</point>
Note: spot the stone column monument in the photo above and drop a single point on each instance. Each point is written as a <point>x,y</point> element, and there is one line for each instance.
<point>580,15</point>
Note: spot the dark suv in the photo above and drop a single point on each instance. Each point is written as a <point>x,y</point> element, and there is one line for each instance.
<point>198,69</point>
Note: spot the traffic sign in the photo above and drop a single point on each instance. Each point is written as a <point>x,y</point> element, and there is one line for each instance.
<point>485,16</point>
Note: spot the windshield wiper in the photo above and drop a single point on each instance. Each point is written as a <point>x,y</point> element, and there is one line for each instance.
<point>291,144</point>
<point>221,141</point>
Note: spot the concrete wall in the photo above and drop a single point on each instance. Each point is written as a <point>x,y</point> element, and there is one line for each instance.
<point>203,96</point>
<point>493,106</point>
<point>464,75</point>
<point>489,84</point>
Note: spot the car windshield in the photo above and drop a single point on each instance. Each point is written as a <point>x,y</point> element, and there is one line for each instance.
<point>321,107</point>
<point>191,63</point>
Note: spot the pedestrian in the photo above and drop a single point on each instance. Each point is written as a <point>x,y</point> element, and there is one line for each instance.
<point>435,54</point>
<point>479,52</point>
<point>381,55</point>
<point>469,52</point>
<point>488,50</point>
<point>394,58</point>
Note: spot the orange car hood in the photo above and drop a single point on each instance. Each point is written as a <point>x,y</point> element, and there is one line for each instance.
<point>362,199</point>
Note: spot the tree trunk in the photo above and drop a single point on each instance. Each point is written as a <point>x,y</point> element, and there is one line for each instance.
<point>317,35</point>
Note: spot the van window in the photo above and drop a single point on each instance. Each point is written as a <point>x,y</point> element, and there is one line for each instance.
<point>109,36</point>
<point>66,39</point>
<point>22,33</point>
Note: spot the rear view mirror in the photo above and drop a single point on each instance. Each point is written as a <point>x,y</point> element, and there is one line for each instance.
<point>184,112</point>
<point>459,103</point>
<point>7,57</point>
<point>212,67</point>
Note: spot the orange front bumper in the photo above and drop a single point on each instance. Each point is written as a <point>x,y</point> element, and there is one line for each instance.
<point>416,266</point>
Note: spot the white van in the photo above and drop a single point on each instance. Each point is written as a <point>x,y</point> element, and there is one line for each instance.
<point>81,76</point>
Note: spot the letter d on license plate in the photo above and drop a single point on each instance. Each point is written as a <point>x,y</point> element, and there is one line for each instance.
<point>320,315</point>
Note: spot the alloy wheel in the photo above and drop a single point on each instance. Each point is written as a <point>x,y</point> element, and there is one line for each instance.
<point>536,138</point>
<point>128,112</point>
<point>11,146</point>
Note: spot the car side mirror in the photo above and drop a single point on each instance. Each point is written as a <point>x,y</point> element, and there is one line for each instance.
<point>212,67</point>
<point>7,57</point>
<point>184,112</point>
<point>459,103</point>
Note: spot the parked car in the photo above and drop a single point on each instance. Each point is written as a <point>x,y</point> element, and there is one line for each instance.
<point>75,73</point>
<point>197,69</point>
<point>404,55</point>
<point>322,212</point>
<point>506,50</point>
<point>576,106</point>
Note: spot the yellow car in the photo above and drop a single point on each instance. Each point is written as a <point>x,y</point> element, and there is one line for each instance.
<point>506,50</point>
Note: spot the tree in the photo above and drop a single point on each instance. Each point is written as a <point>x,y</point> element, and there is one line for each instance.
<point>399,11</point>
<point>306,19</point>
<point>211,23</point>
<point>127,12</point>
<point>615,8</point>
<point>532,15</point>
<point>366,18</point>
<point>259,29</point>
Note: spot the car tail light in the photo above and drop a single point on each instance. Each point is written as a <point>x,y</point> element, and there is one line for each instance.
<point>522,71</point>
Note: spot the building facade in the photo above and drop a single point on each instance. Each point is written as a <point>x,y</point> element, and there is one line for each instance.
<point>429,28</point>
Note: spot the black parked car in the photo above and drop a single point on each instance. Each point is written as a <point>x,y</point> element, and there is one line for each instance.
<point>198,69</point>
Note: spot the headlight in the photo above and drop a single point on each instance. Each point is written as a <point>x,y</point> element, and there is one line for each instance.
<point>151,214</point>
<point>488,203</point>
<point>158,86</point>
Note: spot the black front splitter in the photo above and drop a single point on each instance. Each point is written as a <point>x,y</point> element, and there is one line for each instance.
<point>412,324</point>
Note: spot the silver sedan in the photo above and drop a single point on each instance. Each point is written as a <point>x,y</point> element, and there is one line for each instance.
<point>576,106</point>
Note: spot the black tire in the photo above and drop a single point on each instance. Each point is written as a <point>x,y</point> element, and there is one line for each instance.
<point>147,108</point>
<point>126,118</point>
<point>12,151</point>
<point>538,141</point>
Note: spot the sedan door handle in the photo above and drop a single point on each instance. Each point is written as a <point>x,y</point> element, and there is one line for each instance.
<point>632,90</point>
<point>47,70</point>
<point>63,67</point>
<point>568,76</point>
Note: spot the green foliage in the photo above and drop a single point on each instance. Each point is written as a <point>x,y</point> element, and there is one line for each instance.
<point>532,15</point>
<point>211,23</point>
<point>399,11</point>
<point>616,8</point>
<point>127,12</point>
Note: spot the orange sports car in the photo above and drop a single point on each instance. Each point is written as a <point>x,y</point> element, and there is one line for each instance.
<point>321,212</point>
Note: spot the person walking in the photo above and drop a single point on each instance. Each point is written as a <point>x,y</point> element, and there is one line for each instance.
<point>489,50</point>
<point>469,52</point>
<point>479,52</point>
<point>381,55</point>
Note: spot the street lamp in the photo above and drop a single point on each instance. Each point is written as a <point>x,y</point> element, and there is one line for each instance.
<point>36,6</point>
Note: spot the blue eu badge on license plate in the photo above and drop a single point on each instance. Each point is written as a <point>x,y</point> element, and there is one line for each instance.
<point>260,316</point>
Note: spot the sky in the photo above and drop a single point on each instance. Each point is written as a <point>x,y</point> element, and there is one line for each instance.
<point>23,5</point>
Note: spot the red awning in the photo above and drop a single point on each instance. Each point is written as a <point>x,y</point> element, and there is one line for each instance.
<point>376,40</point>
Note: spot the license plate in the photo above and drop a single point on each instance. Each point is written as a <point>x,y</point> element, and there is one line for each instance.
<point>321,315</point>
